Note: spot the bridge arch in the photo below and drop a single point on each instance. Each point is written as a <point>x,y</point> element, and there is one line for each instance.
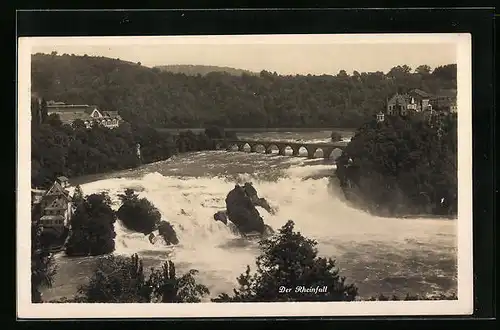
<point>270,147</point>
<point>301,150</point>
<point>258,147</point>
<point>334,154</point>
<point>330,152</point>
<point>296,149</point>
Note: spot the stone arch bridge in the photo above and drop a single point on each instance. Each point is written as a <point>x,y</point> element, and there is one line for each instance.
<point>311,148</point>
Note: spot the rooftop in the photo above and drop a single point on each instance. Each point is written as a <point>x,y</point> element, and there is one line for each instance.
<point>52,217</point>
<point>420,93</point>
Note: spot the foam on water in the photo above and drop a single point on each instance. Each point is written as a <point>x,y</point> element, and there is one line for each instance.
<point>317,209</point>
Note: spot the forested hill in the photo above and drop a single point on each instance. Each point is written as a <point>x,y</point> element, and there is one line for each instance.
<point>193,70</point>
<point>166,99</point>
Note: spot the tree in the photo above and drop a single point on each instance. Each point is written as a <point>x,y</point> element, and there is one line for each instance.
<point>446,72</point>
<point>335,137</point>
<point>54,120</point>
<point>78,196</point>
<point>117,279</point>
<point>43,110</point>
<point>92,227</point>
<point>166,287</point>
<point>402,166</point>
<point>36,119</point>
<point>138,214</point>
<point>78,124</point>
<point>288,263</point>
<point>423,69</point>
<point>224,100</point>
<point>43,266</point>
<point>214,132</point>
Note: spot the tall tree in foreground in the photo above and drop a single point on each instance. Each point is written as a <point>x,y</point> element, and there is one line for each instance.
<point>92,231</point>
<point>43,267</point>
<point>289,260</point>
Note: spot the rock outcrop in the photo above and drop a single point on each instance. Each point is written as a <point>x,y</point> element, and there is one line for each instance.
<point>221,216</point>
<point>242,212</point>
<point>254,197</point>
<point>242,215</point>
<point>166,230</point>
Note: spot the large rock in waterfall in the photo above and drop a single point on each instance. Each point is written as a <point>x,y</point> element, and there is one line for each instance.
<point>254,197</point>
<point>166,230</point>
<point>242,215</point>
<point>140,215</point>
<point>221,216</point>
<point>242,212</point>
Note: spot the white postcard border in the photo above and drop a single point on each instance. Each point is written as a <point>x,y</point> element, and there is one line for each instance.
<point>464,304</point>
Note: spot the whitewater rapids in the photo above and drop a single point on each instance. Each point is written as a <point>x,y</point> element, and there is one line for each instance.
<point>381,255</point>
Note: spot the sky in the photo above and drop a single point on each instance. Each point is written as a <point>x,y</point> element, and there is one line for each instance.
<point>283,55</point>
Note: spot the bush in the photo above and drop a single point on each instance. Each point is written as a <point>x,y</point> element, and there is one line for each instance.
<point>118,279</point>
<point>138,214</point>
<point>231,135</point>
<point>92,227</point>
<point>215,132</point>
<point>335,136</point>
<point>288,261</point>
<point>166,287</point>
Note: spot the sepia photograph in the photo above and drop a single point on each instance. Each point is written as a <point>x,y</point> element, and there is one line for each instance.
<point>301,175</point>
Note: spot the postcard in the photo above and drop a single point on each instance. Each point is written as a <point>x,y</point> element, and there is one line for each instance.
<point>249,175</point>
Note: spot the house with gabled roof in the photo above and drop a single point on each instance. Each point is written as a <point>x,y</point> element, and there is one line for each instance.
<point>399,104</point>
<point>88,114</point>
<point>445,100</point>
<point>56,207</point>
<point>415,100</point>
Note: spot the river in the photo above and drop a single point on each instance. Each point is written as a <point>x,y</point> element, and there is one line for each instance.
<point>381,255</point>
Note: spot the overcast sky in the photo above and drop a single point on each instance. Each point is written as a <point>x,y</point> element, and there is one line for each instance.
<point>255,55</point>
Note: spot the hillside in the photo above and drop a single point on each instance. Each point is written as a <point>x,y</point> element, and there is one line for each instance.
<point>166,99</point>
<point>193,70</point>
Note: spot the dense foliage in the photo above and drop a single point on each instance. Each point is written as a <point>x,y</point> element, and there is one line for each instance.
<point>289,260</point>
<point>138,214</point>
<point>92,227</point>
<point>202,70</point>
<point>43,266</point>
<point>58,149</point>
<point>409,297</point>
<point>403,166</point>
<point>166,99</point>
<point>117,279</point>
<point>335,136</point>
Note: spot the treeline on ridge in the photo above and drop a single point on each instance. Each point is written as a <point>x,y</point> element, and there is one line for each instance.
<point>202,70</point>
<point>176,100</point>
